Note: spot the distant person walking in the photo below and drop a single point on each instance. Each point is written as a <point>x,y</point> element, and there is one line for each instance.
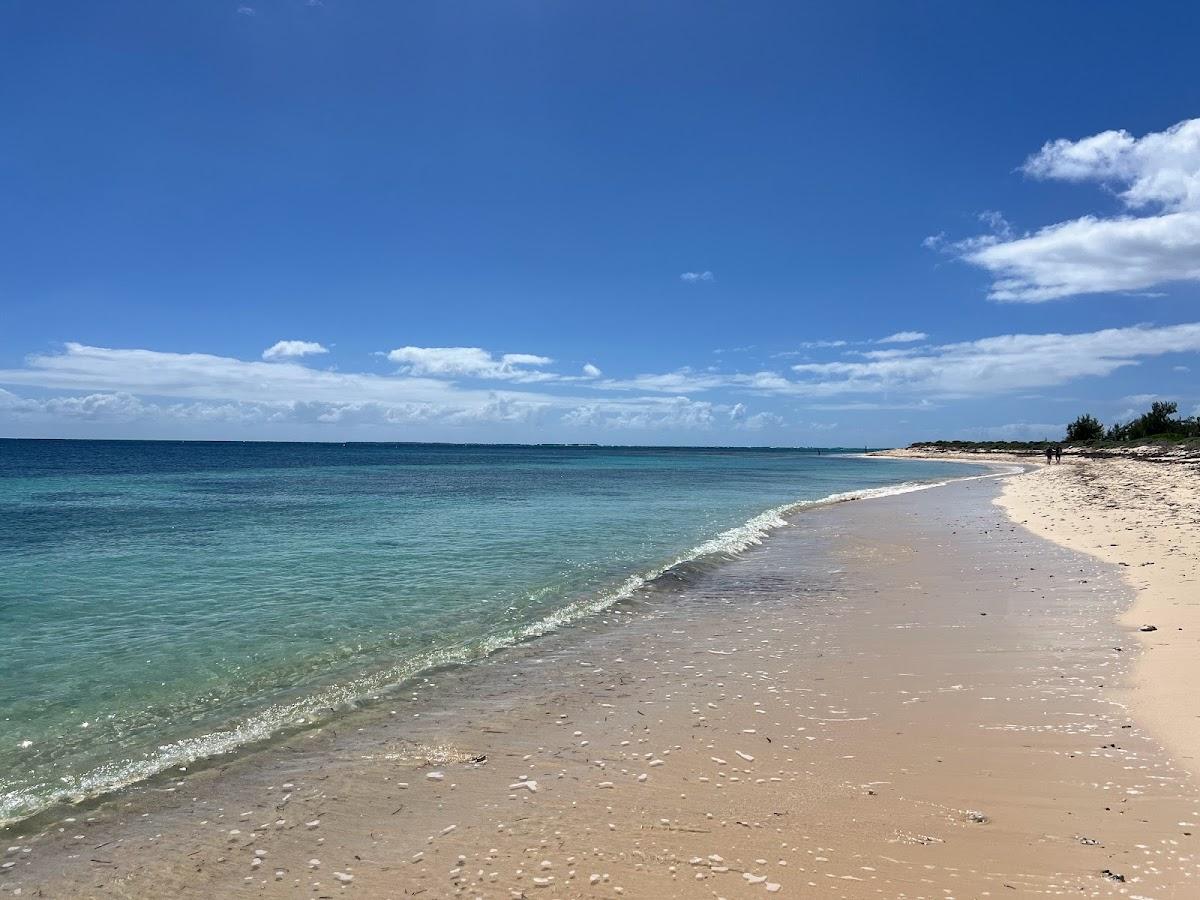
<point>1058,453</point>
<point>1049,454</point>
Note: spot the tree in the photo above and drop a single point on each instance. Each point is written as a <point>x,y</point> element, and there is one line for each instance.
<point>1157,421</point>
<point>1086,428</point>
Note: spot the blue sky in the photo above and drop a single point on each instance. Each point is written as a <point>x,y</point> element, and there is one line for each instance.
<point>623,223</point>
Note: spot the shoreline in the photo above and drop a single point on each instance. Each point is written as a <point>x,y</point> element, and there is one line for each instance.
<point>1107,506</point>
<point>256,733</point>
<point>795,677</point>
<point>1143,517</point>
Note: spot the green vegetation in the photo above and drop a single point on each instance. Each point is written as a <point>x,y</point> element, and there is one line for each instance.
<point>1086,428</point>
<point>1158,425</point>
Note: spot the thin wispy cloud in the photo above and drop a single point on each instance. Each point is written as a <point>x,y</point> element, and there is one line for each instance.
<point>1002,364</point>
<point>694,277</point>
<point>903,337</point>
<point>293,350</point>
<point>1156,240</point>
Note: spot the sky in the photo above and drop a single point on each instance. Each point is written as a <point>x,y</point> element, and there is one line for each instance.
<point>791,224</point>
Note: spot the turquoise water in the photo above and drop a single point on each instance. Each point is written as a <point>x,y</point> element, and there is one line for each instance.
<point>161,602</point>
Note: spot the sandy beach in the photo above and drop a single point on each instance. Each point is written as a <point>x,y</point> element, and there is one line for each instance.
<point>937,694</point>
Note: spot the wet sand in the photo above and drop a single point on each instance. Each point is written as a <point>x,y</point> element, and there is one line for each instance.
<point>908,697</point>
<point>1142,516</point>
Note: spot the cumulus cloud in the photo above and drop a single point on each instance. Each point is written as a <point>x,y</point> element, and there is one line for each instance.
<point>118,385</point>
<point>903,337</point>
<point>1156,240</point>
<point>591,371</point>
<point>293,349</point>
<point>741,417</point>
<point>693,277</point>
<point>470,362</point>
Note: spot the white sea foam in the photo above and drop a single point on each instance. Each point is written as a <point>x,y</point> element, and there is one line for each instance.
<point>18,804</point>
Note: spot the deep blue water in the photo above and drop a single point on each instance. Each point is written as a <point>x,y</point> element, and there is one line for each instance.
<point>161,602</point>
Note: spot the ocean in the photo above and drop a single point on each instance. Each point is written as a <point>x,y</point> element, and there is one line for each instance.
<point>163,602</point>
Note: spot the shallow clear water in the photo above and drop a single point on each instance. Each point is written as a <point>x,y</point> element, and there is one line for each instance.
<point>160,602</point>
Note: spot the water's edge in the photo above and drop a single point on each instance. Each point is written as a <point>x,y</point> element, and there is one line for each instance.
<point>265,728</point>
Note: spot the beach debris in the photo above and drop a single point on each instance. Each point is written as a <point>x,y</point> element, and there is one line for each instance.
<point>746,756</point>
<point>530,786</point>
<point>436,776</point>
<point>315,823</point>
<point>1112,876</point>
<point>974,815</point>
<point>314,864</point>
<point>343,877</point>
<point>1088,842</point>
<point>1148,628</point>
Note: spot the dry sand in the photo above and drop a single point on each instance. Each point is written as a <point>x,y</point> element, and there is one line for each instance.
<point>908,697</point>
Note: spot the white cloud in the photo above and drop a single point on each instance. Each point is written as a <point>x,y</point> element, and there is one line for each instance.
<point>903,337</point>
<point>667,413</point>
<point>1157,175</point>
<point>470,362</point>
<point>988,366</point>
<point>740,416</point>
<point>113,385</point>
<point>293,349</point>
<point>1141,399</point>
<point>591,371</point>
<point>820,345</point>
<point>693,277</point>
<point>998,365</point>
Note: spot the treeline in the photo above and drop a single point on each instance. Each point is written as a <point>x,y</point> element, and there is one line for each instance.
<point>1159,423</point>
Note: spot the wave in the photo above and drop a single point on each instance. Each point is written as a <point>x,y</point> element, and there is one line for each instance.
<point>285,718</point>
